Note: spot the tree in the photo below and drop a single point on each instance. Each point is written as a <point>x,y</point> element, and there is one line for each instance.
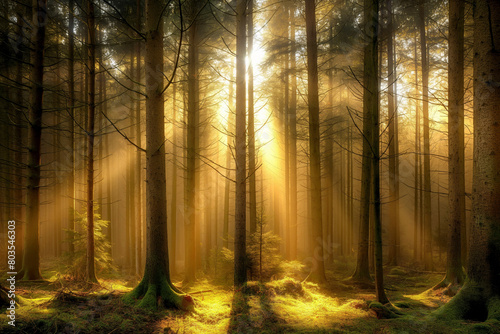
<point>155,284</point>
<point>479,298</point>
<point>31,256</point>
<point>456,168</point>
<point>318,270</point>
<point>192,186</point>
<point>240,268</point>
<point>90,264</point>
<point>393,143</point>
<point>251,125</point>
<point>427,159</point>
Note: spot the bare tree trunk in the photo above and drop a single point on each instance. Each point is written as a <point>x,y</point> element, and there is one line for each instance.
<point>138,154</point>
<point>227,183</point>
<point>251,124</point>
<point>318,270</point>
<point>90,263</point>
<point>192,188</point>
<point>292,120</point>
<point>427,164</point>
<point>31,256</point>
<point>156,286</point>
<point>393,144</point>
<point>456,166</point>
<point>240,267</point>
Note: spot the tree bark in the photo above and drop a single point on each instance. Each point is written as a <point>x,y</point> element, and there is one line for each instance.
<point>156,287</point>
<point>251,125</point>
<point>479,299</point>
<point>192,150</point>
<point>292,145</point>
<point>240,267</point>
<point>318,270</point>
<point>90,263</point>
<point>31,256</point>
<point>456,167</point>
<point>427,162</point>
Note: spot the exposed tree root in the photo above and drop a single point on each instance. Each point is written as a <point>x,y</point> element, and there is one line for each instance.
<point>384,311</point>
<point>471,303</point>
<point>159,295</point>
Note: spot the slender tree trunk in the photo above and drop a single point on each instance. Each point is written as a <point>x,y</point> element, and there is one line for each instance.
<point>371,108</point>
<point>251,124</point>
<point>427,164</point>
<point>416,165</point>
<point>173,209</point>
<point>31,256</point>
<point>90,263</point>
<point>456,166</point>
<point>19,143</point>
<point>292,120</point>
<point>240,266</point>
<point>318,270</point>
<point>227,183</point>
<point>138,153</point>
<point>393,149</point>
<point>192,150</point>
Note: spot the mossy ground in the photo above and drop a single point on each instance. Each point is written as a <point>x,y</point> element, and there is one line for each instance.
<point>281,306</point>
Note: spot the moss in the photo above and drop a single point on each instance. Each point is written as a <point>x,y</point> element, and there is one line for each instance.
<point>398,271</point>
<point>468,304</point>
<point>494,309</point>
<point>383,311</point>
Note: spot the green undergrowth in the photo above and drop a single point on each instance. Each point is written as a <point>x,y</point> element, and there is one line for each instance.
<point>284,305</point>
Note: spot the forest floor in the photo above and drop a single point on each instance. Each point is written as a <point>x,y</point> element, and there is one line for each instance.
<point>286,305</point>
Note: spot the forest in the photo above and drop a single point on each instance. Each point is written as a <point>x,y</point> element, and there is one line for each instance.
<point>250,166</point>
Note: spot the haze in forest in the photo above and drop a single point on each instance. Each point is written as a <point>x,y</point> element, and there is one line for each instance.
<point>177,147</point>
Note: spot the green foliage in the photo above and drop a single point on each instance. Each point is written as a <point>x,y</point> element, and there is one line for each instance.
<point>263,253</point>
<point>103,260</point>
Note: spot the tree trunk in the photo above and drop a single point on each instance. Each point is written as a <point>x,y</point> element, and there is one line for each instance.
<point>227,183</point>
<point>393,144</point>
<point>292,145</point>
<point>138,153</point>
<point>156,287</point>
<point>251,125</point>
<point>479,299</point>
<point>456,167</point>
<point>240,267</point>
<point>192,150</point>
<point>427,162</point>
<point>90,263</point>
<point>318,270</point>
<point>31,256</point>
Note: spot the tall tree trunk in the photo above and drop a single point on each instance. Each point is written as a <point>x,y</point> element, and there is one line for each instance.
<point>19,141</point>
<point>138,154</point>
<point>227,183</point>
<point>393,144</point>
<point>456,166</point>
<point>371,110</point>
<point>427,162</point>
<point>292,125</point>
<point>240,267</point>
<point>90,263</point>
<point>31,256</point>
<point>416,186</point>
<point>192,150</point>
<point>479,299</point>
<point>173,209</point>
<point>156,286</point>
<point>318,270</point>
<point>251,125</point>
